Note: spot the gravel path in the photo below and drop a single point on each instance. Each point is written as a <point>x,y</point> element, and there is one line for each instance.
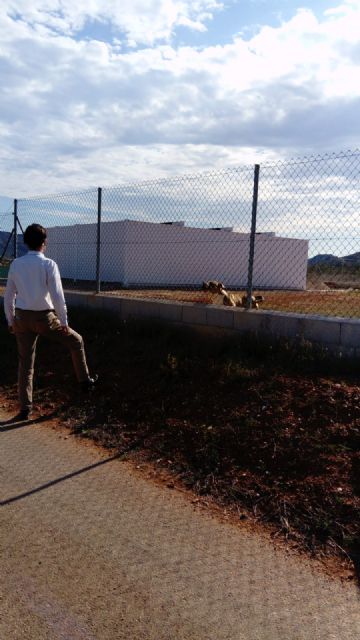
<point>92,551</point>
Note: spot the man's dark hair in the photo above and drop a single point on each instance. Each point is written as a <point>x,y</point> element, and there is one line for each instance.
<point>34,236</point>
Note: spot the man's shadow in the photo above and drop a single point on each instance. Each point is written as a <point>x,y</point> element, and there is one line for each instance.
<point>354,554</point>
<point>52,483</point>
<point>354,551</point>
<point>118,456</point>
<point>14,423</point>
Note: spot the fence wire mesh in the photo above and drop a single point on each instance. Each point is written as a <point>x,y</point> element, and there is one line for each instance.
<point>70,220</point>
<point>316,200</point>
<point>6,240</point>
<point>176,233</point>
<point>164,238</point>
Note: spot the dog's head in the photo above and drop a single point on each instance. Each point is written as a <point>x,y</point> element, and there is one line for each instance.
<point>255,300</point>
<point>213,286</point>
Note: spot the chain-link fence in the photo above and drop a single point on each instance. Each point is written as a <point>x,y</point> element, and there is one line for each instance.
<point>8,241</point>
<point>286,231</point>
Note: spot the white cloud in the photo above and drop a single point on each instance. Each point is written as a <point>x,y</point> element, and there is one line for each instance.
<point>81,111</point>
<point>144,21</point>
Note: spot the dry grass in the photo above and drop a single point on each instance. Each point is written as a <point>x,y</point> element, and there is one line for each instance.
<point>326,302</point>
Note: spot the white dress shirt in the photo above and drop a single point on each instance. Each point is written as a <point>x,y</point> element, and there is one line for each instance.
<point>34,284</point>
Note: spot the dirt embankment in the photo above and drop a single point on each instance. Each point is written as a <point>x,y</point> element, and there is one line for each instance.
<point>266,431</point>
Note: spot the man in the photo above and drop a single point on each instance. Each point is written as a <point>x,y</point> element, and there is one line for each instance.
<point>35,305</point>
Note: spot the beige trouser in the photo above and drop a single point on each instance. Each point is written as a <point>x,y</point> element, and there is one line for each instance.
<point>28,325</point>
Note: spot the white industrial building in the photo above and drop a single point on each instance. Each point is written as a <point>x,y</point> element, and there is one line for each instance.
<point>137,253</point>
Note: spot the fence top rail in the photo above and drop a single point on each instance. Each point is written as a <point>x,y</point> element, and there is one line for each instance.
<point>145,183</point>
<point>328,156</point>
<point>335,155</point>
<point>64,194</point>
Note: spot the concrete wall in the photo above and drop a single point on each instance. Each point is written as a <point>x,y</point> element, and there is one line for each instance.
<point>146,253</point>
<point>339,336</point>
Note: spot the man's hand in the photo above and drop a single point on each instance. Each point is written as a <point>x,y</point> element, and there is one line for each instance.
<point>11,328</point>
<point>65,329</point>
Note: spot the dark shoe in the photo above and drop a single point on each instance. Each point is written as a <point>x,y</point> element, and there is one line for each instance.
<point>89,384</point>
<point>24,414</point>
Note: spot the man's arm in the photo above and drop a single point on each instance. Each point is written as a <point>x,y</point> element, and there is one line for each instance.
<point>9,300</point>
<point>57,294</point>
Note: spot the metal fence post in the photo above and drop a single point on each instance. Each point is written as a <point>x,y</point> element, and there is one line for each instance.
<point>98,240</point>
<point>252,237</point>
<point>15,228</point>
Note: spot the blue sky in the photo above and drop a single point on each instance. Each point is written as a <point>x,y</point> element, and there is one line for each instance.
<point>246,16</point>
<point>108,92</point>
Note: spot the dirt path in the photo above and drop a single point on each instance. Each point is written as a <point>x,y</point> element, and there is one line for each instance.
<point>92,551</point>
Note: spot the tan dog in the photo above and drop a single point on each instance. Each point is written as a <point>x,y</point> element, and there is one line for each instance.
<point>229,299</point>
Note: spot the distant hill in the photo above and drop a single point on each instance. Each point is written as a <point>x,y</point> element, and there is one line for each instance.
<point>325,259</point>
<point>329,260</point>
<point>4,237</point>
<point>353,259</point>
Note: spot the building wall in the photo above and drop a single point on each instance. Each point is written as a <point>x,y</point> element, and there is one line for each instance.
<point>145,253</point>
<point>74,249</point>
<point>282,261</point>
